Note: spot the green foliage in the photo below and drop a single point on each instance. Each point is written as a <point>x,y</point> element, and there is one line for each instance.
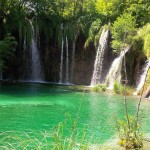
<point>123,31</point>
<point>141,40</point>
<point>148,78</point>
<point>84,17</point>
<point>95,89</point>
<point>119,89</point>
<point>44,140</point>
<point>99,88</point>
<point>138,45</point>
<point>109,8</point>
<point>146,85</point>
<point>147,45</point>
<point>130,138</point>
<point>63,142</point>
<point>140,9</point>
<point>7,47</point>
<point>94,32</point>
<point>25,140</point>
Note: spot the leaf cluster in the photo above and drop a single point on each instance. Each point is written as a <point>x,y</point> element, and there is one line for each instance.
<point>123,30</point>
<point>7,47</point>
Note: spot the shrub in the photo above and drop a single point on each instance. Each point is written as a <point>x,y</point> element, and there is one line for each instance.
<point>99,88</point>
<point>123,31</point>
<point>7,47</point>
<point>129,137</point>
<point>119,89</point>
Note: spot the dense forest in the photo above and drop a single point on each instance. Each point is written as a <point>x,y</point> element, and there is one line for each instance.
<point>78,22</point>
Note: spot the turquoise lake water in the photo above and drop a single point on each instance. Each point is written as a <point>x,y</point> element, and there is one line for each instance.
<point>37,107</point>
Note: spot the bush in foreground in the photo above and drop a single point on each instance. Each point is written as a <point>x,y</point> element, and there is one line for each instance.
<point>129,137</point>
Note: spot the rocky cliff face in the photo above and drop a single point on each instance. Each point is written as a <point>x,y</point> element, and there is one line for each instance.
<point>18,65</point>
<point>83,65</point>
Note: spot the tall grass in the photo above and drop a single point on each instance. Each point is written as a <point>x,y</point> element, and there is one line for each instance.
<point>75,140</point>
<point>118,88</point>
<point>99,88</point>
<point>44,140</point>
<point>12,140</point>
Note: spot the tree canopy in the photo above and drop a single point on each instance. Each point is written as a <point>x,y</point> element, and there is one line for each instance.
<point>78,17</point>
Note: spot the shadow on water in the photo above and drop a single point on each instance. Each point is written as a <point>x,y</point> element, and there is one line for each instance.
<point>18,89</point>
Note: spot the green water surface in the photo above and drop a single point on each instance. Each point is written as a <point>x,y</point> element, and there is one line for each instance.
<point>38,107</point>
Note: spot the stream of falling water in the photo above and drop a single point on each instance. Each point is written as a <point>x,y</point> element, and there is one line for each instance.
<point>114,73</point>
<point>35,59</point>
<point>67,62</point>
<point>62,58</point>
<point>142,77</point>
<point>73,60</point>
<point>98,65</point>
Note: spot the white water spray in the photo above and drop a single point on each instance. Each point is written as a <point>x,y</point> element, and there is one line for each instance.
<point>97,73</point>
<point>114,73</point>
<point>142,77</point>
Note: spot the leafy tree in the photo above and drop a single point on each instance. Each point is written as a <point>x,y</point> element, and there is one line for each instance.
<point>94,33</point>
<point>123,31</point>
<point>110,9</point>
<point>140,9</point>
<point>144,35</point>
<point>7,47</point>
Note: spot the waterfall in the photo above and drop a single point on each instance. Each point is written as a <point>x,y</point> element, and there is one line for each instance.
<point>114,73</point>
<point>97,73</point>
<point>142,77</point>
<point>35,59</point>
<point>73,59</point>
<point>24,43</point>
<point>67,62</point>
<point>25,59</point>
<point>62,58</point>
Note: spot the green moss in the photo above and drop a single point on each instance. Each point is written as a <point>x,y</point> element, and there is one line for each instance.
<point>147,45</point>
<point>144,34</point>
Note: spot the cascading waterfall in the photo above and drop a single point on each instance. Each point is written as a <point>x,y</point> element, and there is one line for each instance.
<point>35,59</point>
<point>62,58</point>
<point>67,62</point>
<point>114,73</point>
<point>97,73</point>
<point>142,77</point>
